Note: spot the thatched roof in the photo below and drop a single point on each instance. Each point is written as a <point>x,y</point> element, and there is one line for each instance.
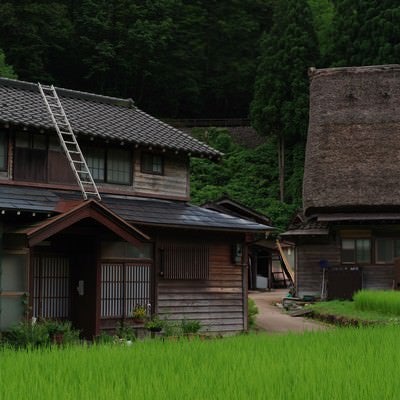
<point>353,146</point>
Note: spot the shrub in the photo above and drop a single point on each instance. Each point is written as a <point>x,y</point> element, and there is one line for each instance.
<point>189,327</point>
<point>172,328</point>
<point>26,334</point>
<point>42,333</point>
<point>252,311</point>
<point>125,332</point>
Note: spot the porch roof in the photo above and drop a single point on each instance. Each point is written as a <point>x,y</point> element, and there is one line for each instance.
<point>135,210</point>
<point>92,209</point>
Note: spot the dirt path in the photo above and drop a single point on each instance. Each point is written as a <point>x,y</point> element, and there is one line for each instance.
<point>273,319</point>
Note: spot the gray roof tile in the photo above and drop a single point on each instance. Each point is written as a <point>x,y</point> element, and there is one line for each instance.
<point>136,210</point>
<point>95,115</point>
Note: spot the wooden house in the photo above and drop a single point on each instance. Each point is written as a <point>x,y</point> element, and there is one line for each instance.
<point>348,236</point>
<point>92,261</point>
<point>266,268</point>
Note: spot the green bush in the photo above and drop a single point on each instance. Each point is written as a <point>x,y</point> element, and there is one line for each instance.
<point>383,301</point>
<point>172,328</point>
<point>27,334</point>
<point>252,311</point>
<point>125,332</point>
<point>189,327</point>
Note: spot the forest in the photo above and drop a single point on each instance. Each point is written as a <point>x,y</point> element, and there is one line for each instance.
<point>206,59</point>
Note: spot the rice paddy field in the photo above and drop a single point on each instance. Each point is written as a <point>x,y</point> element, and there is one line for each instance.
<point>380,306</point>
<point>347,363</point>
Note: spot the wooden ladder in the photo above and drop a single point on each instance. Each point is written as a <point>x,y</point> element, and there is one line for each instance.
<point>69,143</point>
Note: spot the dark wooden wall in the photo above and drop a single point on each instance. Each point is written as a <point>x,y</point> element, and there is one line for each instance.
<point>308,270</point>
<point>218,303</point>
<point>309,274</point>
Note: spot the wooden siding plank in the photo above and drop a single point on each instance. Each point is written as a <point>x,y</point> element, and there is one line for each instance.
<point>217,303</point>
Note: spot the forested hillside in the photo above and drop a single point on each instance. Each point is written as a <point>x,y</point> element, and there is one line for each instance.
<point>206,59</point>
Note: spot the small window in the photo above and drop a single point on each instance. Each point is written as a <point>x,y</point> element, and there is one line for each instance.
<point>184,262</point>
<point>125,250</point>
<point>3,151</point>
<point>384,251</point>
<point>119,166</point>
<point>356,251</point>
<point>152,164</point>
<point>25,140</point>
<point>396,248</point>
<point>96,158</point>
<point>109,165</point>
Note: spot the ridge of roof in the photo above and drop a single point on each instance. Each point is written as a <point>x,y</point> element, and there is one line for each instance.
<point>95,115</point>
<point>76,94</point>
<point>312,71</point>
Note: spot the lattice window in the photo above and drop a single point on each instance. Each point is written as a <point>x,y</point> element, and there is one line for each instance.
<point>185,262</point>
<point>51,287</point>
<point>124,286</point>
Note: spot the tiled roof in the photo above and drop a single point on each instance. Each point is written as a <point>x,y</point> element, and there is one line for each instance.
<point>95,115</point>
<point>136,210</point>
<point>310,227</point>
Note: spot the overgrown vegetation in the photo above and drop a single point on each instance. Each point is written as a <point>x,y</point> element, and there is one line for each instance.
<point>336,364</point>
<point>247,176</point>
<point>43,333</point>
<point>252,312</point>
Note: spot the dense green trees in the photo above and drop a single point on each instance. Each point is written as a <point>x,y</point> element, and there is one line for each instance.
<point>365,32</point>
<point>248,175</point>
<point>34,35</point>
<point>6,71</point>
<point>175,58</point>
<point>280,105</point>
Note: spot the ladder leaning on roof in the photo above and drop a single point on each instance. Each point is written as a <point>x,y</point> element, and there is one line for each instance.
<point>69,143</point>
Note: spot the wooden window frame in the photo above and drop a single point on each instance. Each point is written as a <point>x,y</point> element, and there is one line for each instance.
<point>106,155</point>
<point>124,264</point>
<point>30,149</point>
<point>174,261</point>
<point>4,168</point>
<point>392,240</point>
<point>356,261</point>
<point>151,171</point>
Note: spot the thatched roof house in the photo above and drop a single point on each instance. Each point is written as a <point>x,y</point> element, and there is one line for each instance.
<point>353,148</point>
<point>349,237</point>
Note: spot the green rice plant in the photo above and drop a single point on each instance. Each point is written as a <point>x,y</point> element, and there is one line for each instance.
<point>383,301</point>
<point>351,364</point>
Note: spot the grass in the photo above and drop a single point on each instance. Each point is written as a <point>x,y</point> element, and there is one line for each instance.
<point>338,364</point>
<point>368,305</point>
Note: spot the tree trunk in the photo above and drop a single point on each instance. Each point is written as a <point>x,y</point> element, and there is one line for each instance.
<point>281,167</point>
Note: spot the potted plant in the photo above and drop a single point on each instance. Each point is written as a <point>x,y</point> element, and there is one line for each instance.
<point>155,324</point>
<point>139,314</point>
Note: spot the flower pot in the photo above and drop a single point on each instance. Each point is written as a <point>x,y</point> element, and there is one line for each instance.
<point>138,321</point>
<point>58,338</point>
<point>155,329</point>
